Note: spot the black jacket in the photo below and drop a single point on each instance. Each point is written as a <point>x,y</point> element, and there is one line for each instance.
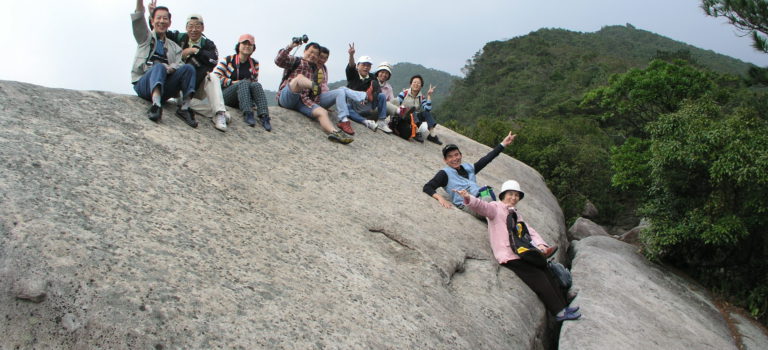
<point>204,61</point>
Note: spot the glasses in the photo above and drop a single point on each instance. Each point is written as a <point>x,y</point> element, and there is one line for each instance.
<point>197,26</point>
<point>246,43</point>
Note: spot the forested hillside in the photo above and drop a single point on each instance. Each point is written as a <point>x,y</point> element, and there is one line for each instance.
<point>543,72</point>
<point>641,126</point>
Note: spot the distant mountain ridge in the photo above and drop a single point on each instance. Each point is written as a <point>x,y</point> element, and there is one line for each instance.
<point>540,73</point>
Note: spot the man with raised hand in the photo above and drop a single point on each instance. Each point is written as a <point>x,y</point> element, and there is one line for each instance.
<point>461,176</point>
<point>360,78</point>
<point>300,90</point>
<point>158,72</point>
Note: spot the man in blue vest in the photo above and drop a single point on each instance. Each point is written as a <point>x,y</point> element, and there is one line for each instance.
<point>461,176</point>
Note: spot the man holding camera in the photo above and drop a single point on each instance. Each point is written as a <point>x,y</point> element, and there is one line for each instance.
<point>158,72</point>
<point>300,90</point>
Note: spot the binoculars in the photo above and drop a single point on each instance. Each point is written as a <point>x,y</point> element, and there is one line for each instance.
<point>300,39</point>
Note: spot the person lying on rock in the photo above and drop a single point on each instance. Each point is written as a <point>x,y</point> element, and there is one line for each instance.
<point>158,72</point>
<point>239,76</point>
<point>300,91</point>
<point>457,175</point>
<point>520,248</point>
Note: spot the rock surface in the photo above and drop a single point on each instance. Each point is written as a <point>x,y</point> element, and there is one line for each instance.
<point>629,303</point>
<point>163,236</point>
<point>583,228</point>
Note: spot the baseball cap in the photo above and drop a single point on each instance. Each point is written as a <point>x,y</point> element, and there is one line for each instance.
<point>195,16</point>
<point>364,59</point>
<point>449,147</point>
<point>245,37</point>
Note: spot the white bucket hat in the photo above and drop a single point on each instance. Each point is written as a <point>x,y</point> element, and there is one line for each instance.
<point>510,185</point>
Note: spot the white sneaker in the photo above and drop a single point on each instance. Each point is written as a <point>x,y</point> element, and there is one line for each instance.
<point>370,124</point>
<point>220,122</point>
<point>382,124</point>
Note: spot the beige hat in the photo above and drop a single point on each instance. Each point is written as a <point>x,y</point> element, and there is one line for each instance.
<point>385,66</point>
<point>195,16</point>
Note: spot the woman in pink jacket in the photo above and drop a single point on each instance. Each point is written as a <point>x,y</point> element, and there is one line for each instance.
<point>503,218</point>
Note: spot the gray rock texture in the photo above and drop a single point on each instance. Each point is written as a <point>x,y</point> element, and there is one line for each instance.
<point>583,228</point>
<point>752,335</point>
<point>629,303</point>
<point>160,236</point>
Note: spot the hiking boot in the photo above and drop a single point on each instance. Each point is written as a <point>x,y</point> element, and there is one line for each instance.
<point>154,113</point>
<point>436,140</point>
<point>567,316</point>
<point>382,124</point>
<point>419,138</point>
<point>220,122</point>
<point>249,119</point>
<point>187,116</point>
<point>548,251</point>
<point>346,127</point>
<point>340,137</point>
<point>264,119</point>
<point>371,124</point>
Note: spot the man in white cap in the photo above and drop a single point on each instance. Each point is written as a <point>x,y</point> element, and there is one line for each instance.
<point>360,78</point>
<point>201,53</point>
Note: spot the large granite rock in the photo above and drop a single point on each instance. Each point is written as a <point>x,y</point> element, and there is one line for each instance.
<point>116,232</point>
<point>583,228</point>
<point>629,303</point>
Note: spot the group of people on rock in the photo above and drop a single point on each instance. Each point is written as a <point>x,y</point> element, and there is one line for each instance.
<point>169,64</point>
<point>186,66</point>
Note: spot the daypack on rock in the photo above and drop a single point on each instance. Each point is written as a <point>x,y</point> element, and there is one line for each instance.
<point>404,125</point>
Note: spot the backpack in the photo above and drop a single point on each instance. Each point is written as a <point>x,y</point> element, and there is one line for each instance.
<point>404,125</point>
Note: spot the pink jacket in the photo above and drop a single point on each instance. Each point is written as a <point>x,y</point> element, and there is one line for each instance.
<point>496,214</point>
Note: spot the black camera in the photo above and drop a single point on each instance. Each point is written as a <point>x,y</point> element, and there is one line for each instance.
<point>300,39</point>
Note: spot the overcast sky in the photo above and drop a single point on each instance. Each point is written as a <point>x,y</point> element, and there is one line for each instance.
<point>88,44</point>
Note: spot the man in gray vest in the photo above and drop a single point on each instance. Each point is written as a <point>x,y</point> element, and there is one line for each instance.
<point>158,72</point>
<point>461,176</point>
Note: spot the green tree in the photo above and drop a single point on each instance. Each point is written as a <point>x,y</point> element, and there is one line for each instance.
<point>633,99</point>
<point>749,16</point>
<point>708,197</point>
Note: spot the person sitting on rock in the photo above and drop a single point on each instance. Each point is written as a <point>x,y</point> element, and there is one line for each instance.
<point>412,98</point>
<point>383,74</point>
<point>158,72</point>
<point>299,92</point>
<point>201,53</point>
<point>239,76</point>
<point>509,235</point>
<point>457,175</point>
<point>337,97</point>
<point>360,78</point>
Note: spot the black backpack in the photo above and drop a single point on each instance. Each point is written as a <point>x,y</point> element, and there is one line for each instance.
<point>404,125</point>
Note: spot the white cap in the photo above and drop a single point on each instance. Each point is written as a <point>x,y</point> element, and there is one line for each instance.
<point>364,59</point>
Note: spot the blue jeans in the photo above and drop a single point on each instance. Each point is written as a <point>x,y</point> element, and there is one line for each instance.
<point>381,107</point>
<point>183,79</point>
<point>339,98</point>
<point>426,116</point>
<point>291,100</point>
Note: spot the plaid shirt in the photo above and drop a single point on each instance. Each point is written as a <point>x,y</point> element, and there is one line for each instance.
<point>286,61</point>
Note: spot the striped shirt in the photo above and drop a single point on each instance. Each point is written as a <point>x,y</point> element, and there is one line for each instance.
<point>229,71</point>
